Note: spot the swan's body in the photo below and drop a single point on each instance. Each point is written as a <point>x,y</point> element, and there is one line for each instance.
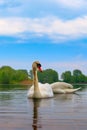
<point>39,90</point>
<point>45,91</point>
<point>62,87</point>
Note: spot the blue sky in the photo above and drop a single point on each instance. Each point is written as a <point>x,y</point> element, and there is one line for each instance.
<point>51,31</point>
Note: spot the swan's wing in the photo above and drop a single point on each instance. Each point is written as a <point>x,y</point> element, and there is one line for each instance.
<point>58,90</point>
<point>72,90</point>
<point>61,85</point>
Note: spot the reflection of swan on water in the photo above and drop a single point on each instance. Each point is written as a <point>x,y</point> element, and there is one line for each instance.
<point>64,97</point>
<point>36,124</point>
<point>38,106</point>
<point>39,90</point>
<point>62,87</point>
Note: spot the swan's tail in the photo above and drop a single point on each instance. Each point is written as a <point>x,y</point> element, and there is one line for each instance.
<point>72,90</point>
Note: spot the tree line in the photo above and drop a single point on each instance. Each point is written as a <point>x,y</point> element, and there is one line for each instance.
<point>75,77</point>
<point>8,75</point>
<point>50,76</point>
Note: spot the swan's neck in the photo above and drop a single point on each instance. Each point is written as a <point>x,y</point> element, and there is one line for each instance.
<point>37,93</point>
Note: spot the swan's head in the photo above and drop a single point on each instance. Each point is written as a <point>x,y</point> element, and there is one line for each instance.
<point>36,66</point>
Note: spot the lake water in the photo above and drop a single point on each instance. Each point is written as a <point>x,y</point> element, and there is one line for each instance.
<point>62,112</point>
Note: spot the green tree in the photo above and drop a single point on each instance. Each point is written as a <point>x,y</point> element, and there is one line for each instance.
<point>78,77</point>
<point>5,79</point>
<point>31,74</point>
<point>66,76</point>
<point>48,76</point>
<point>21,75</point>
<point>9,75</point>
<point>77,72</point>
<point>6,74</point>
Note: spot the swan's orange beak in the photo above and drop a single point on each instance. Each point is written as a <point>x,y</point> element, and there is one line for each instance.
<point>40,69</point>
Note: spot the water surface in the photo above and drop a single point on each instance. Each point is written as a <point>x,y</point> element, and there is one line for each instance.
<point>63,112</point>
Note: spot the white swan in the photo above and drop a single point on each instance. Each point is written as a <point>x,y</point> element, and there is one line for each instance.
<point>39,90</point>
<point>62,87</point>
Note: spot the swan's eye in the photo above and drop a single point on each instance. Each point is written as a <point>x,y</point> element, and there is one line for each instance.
<point>38,65</point>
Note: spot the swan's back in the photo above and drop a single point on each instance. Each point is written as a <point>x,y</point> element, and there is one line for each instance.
<point>61,85</point>
<point>45,90</point>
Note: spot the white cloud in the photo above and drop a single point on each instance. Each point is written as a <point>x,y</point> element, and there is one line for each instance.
<point>72,3</point>
<point>9,26</point>
<point>9,3</point>
<point>53,27</point>
<point>1,2</point>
